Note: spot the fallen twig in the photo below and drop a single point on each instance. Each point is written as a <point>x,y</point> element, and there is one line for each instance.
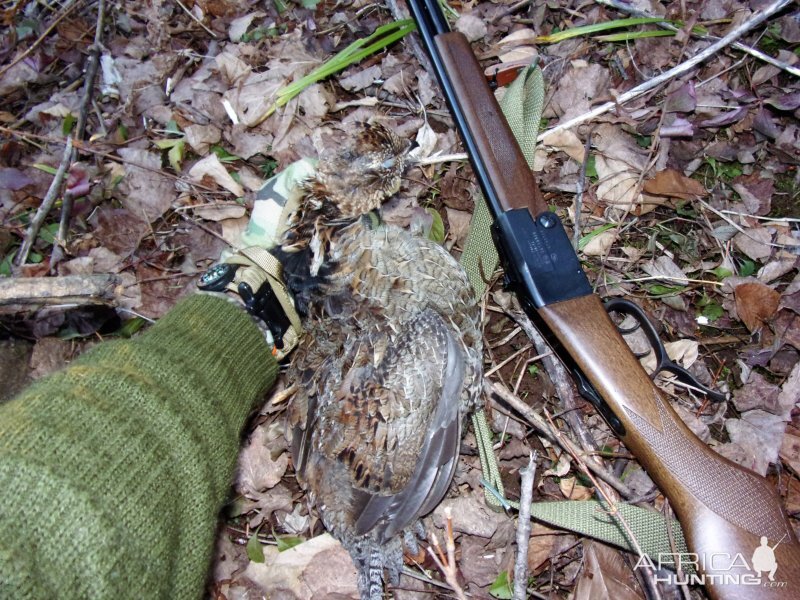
<point>547,430</point>
<point>195,19</point>
<point>754,21</point>
<point>632,10</point>
<point>447,565</point>
<point>45,207</point>
<point>528,474</point>
<point>581,185</point>
<point>613,509</point>
<point>18,294</point>
<point>92,66</point>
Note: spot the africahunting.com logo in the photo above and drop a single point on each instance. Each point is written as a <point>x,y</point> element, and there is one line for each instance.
<point>717,568</point>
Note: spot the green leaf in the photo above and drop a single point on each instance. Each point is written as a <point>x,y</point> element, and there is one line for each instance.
<point>596,27</point>
<point>664,290</point>
<point>68,124</point>
<point>381,38</point>
<point>748,268</point>
<point>310,4</point>
<point>591,167</point>
<point>167,144</point>
<point>175,155</point>
<point>501,588</point>
<point>280,6</point>
<point>46,168</point>
<point>254,550</point>
<point>685,209</point>
<point>533,370</point>
<point>223,155</point>
<point>5,265</point>
<point>35,258</point>
<point>172,127</point>
<point>713,311</point>
<point>593,234</point>
<point>48,233</point>
<point>130,327</point>
<point>437,227</point>
<point>288,541</point>
<point>721,273</point>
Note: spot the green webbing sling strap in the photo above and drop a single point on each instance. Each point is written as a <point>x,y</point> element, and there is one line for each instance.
<point>522,106</point>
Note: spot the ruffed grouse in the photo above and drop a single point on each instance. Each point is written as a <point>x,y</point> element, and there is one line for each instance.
<point>390,362</point>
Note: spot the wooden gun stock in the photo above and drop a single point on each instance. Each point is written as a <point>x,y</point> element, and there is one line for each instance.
<point>725,510</point>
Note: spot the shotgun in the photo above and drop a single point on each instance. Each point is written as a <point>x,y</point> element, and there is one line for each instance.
<point>732,518</point>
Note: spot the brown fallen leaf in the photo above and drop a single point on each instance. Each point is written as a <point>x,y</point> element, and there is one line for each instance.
<point>258,470</point>
<point>318,568</point>
<point>541,546</point>
<point>605,575</point>
<point>755,304</point>
<point>670,182</point>
<point>572,490</point>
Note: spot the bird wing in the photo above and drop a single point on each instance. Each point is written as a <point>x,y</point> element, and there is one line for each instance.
<point>399,425</point>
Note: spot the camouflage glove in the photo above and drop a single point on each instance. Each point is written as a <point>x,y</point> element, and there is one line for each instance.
<point>252,275</point>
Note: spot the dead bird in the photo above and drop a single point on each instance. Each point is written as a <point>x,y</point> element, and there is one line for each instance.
<point>390,362</point>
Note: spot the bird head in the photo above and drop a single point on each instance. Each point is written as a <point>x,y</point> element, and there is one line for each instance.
<point>360,178</point>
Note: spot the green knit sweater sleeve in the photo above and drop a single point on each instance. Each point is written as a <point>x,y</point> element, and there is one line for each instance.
<point>112,471</point>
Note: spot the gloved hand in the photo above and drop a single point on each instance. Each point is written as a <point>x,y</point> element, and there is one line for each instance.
<point>252,275</point>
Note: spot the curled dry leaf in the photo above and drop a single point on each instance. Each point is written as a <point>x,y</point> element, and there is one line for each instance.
<point>258,470</point>
<point>601,243</point>
<point>756,303</point>
<point>754,242</point>
<point>566,141</point>
<point>542,543</point>
<point>673,184</point>
<point>318,568</point>
<point>665,268</point>
<point>150,194</point>
<point>211,167</point>
<point>471,515</point>
<point>572,490</point>
<point>605,575</point>
<point>220,211</point>
<point>472,27</point>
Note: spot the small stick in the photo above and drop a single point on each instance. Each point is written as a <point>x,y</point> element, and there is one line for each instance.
<point>46,206</point>
<point>447,565</point>
<point>80,130</point>
<point>632,10</point>
<point>753,22</point>
<point>613,509</point>
<point>524,529</point>
<point>547,430</point>
<point>18,294</point>
<point>195,19</point>
<point>581,185</point>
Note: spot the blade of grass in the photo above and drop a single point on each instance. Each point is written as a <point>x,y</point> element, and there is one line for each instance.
<point>359,49</point>
<point>634,35</point>
<point>596,27</point>
<point>593,234</point>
